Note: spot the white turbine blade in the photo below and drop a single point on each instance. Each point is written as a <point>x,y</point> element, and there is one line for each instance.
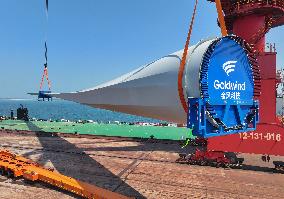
<point>149,91</point>
<point>152,90</point>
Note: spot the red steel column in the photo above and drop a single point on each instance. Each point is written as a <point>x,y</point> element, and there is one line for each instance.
<point>248,26</point>
<point>267,98</point>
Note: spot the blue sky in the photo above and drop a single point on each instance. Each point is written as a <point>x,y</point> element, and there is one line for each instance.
<point>92,41</point>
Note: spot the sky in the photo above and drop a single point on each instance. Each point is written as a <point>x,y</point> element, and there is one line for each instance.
<point>93,41</point>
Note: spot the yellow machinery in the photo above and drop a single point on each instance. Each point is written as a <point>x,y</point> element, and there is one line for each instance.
<point>17,166</point>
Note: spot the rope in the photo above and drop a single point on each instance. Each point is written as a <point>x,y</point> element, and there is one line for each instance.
<point>182,64</point>
<point>45,44</point>
<point>45,72</point>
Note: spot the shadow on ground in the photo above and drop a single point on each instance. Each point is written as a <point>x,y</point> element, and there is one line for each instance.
<point>173,148</point>
<point>85,168</point>
<point>81,167</point>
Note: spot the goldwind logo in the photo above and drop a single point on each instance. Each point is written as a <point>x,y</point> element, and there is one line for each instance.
<point>229,67</point>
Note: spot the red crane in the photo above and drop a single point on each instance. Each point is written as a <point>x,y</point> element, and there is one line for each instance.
<point>251,20</point>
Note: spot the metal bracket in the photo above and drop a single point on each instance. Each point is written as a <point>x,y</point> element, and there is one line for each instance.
<point>205,125</point>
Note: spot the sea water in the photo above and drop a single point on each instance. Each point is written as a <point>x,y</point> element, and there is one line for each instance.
<point>60,109</point>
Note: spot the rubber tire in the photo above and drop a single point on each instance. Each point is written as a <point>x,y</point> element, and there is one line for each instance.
<point>10,174</point>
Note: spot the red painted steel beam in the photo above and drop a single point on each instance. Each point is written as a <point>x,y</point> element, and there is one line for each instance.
<point>267,139</point>
<point>247,27</point>
<point>240,8</point>
<point>279,22</point>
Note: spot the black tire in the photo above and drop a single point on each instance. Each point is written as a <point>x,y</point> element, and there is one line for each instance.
<point>240,160</point>
<point>219,164</point>
<point>203,163</point>
<point>10,174</point>
<point>29,182</point>
<point>2,171</point>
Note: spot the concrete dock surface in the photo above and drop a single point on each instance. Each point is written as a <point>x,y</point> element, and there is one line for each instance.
<point>141,169</point>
